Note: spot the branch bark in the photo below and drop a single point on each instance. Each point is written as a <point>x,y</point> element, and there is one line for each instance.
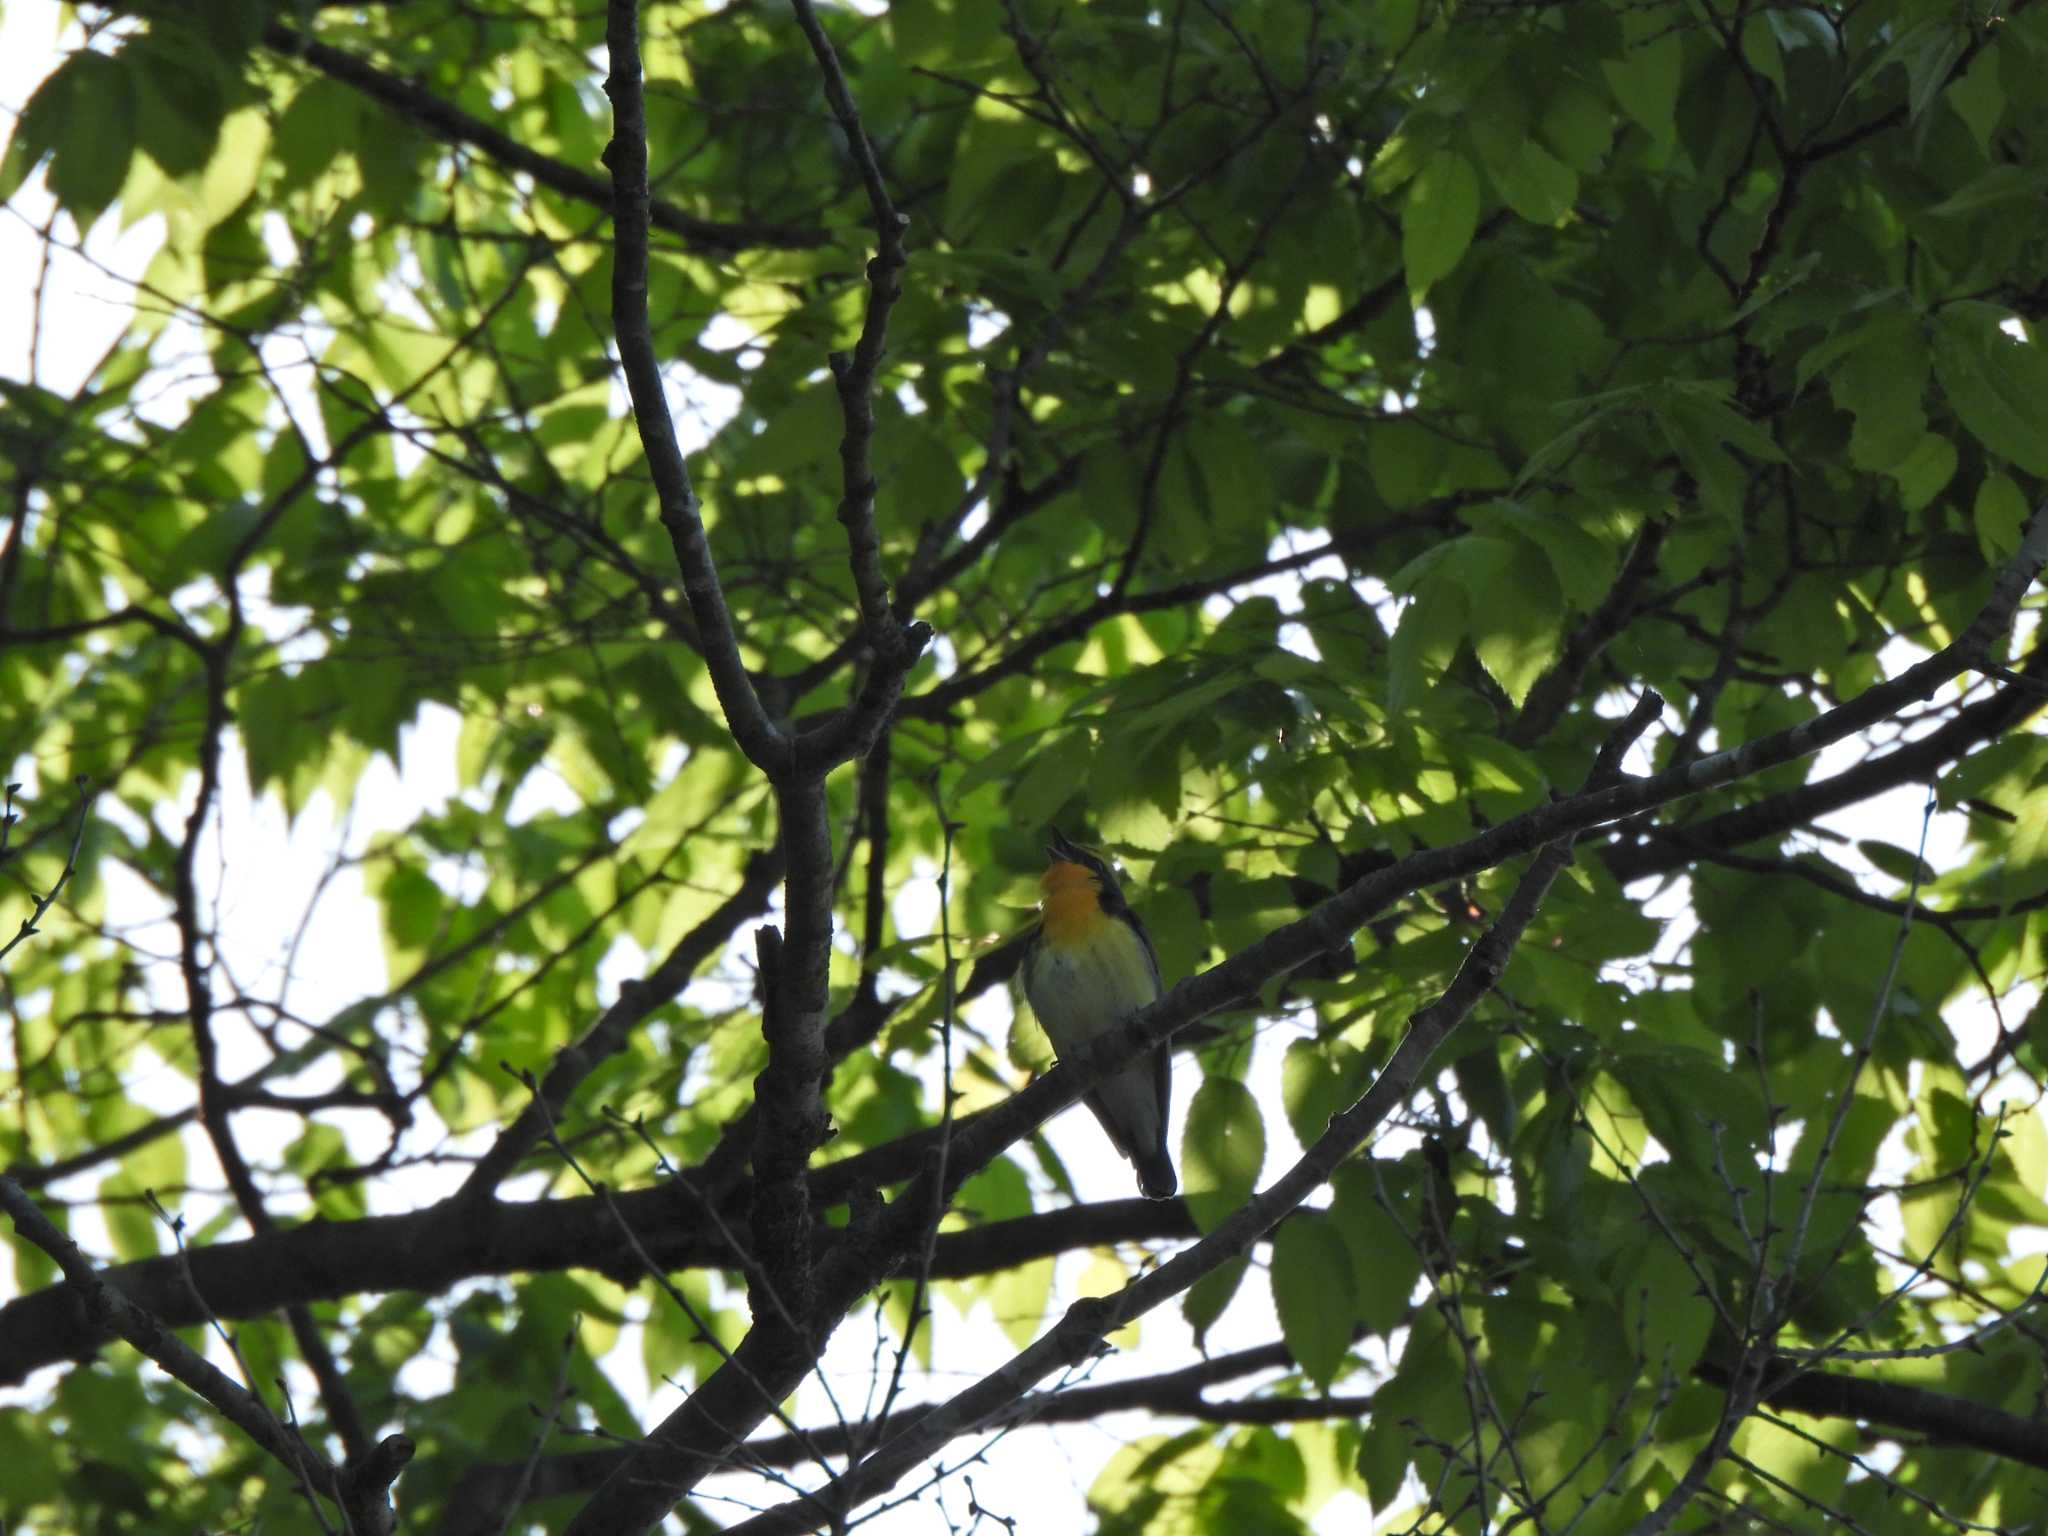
<point>1941,1417</point>
<point>438,1247</point>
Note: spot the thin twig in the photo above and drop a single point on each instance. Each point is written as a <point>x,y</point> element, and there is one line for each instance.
<point>31,925</point>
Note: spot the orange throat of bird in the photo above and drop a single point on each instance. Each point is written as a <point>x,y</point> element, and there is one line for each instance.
<point>1071,906</point>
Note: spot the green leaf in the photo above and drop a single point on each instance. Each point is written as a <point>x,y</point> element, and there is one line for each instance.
<point>1393,24</point>
<point>1644,80</point>
<point>1978,98</point>
<point>1384,1262</point>
<point>1319,1079</point>
<point>1438,218</point>
<point>1406,458</point>
<point>1424,1401</point>
<point>1691,1104</point>
<point>1517,611</point>
<point>1998,185</point>
<point>2001,512</point>
<point>1900,863</point>
<point>1205,1301</point>
<point>802,433</point>
<point>1925,472</point>
<point>1761,51</point>
<point>1233,483</point>
<point>1722,481</point>
<point>134,1228</point>
<point>1052,779</point>
<point>412,906</point>
<point>1928,50</point>
<point>1222,1150</point>
<point>1578,124</point>
<point>1998,386</point>
<point>29,1474</point>
<point>1663,1308</point>
<point>1312,1285</point>
<point>1018,1298</point>
<point>240,143</point>
<point>83,118</point>
<point>1882,380</point>
<point>1534,183</point>
<point>677,1341</point>
<point>1426,641</point>
<point>921,30</point>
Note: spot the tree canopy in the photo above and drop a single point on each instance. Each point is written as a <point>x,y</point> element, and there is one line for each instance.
<point>1498,515</point>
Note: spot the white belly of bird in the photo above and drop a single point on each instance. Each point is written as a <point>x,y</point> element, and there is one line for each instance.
<point>1081,991</point>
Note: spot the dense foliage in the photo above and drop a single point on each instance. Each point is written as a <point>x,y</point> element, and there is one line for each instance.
<point>1303,433</point>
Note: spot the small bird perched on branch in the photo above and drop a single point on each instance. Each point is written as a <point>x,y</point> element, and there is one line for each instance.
<point>1090,966</point>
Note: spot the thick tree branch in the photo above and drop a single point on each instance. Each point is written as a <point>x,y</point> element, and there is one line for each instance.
<point>433,1249</point>
<point>790,1120</point>
<point>1939,1416</point>
<point>789,1320</point>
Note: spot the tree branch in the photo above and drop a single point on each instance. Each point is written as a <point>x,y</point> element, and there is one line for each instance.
<point>30,925</point>
<point>1942,1418</point>
<point>433,1249</point>
<point>764,743</point>
<point>894,644</point>
<point>451,125</point>
<point>855,376</point>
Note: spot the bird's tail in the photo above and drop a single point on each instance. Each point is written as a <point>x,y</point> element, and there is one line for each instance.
<point>1156,1179</point>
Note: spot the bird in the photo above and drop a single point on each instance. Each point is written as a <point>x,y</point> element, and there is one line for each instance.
<point>1090,965</point>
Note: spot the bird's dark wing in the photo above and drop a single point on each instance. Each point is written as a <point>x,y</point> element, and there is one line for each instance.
<point>1145,943</point>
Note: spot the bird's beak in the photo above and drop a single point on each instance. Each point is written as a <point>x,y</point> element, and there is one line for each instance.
<point>1060,850</point>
